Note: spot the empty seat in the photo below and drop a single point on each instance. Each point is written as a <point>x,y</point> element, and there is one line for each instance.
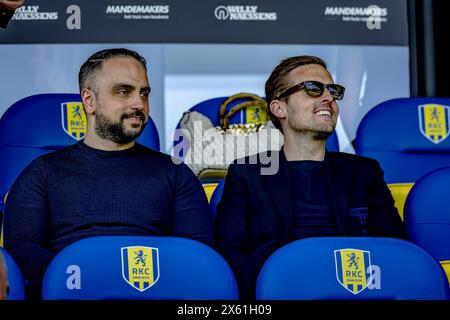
<point>427,215</point>
<point>138,267</point>
<point>351,268</point>
<point>409,137</point>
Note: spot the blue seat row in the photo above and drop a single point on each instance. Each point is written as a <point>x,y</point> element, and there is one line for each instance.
<point>54,121</point>
<point>411,131</point>
<point>170,268</point>
<point>409,137</point>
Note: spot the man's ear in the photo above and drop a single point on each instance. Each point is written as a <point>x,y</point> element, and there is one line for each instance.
<point>277,109</point>
<point>88,98</point>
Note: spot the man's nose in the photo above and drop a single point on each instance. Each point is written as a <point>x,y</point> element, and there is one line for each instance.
<point>326,96</point>
<point>139,102</point>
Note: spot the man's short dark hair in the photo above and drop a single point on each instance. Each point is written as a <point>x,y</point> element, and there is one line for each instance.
<point>276,83</point>
<point>95,62</point>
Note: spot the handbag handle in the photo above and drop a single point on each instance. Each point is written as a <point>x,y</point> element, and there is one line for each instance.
<point>224,119</point>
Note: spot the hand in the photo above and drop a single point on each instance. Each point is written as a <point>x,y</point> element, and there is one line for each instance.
<point>11,4</point>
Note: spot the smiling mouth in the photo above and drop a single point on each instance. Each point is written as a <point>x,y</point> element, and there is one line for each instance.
<point>135,122</point>
<point>134,119</point>
<point>323,113</point>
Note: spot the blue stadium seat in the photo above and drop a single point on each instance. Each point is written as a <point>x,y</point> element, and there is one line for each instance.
<point>15,278</point>
<point>344,268</point>
<point>39,124</point>
<point>139,267</point>
<point>399,134</point>
<point>427,215</point>
<point>409,137</point>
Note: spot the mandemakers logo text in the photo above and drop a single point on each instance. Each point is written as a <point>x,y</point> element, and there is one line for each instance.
<point>146,12</point>
<point>355,11</point>
<point>243,13</point>
<point>368,14</point>
<point>33,13</point>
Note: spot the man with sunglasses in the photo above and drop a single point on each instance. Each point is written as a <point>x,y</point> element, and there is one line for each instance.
<point>314,193</point>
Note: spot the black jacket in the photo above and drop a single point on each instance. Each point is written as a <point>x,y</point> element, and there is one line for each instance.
<point>255,213</point>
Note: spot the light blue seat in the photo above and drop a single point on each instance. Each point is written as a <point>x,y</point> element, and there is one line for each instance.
<point>427,215</point>
<point>42,123</point>
<point>338,268</point>
<point>15,278</point>
<point>408,136</point>
<point>112,267</point>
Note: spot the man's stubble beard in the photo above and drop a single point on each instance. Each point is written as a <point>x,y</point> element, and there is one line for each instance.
<point>315,132</point>
<point>115,131</point>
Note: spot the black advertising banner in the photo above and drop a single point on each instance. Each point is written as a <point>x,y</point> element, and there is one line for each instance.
<point>357,22</point>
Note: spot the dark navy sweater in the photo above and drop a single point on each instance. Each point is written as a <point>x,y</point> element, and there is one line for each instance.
<point>313,214</point>
<point>78,192</point>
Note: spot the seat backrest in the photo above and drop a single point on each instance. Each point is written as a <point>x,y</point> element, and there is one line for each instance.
<point>15,278</point>
<point>42,123</point>
<point>408,136</point>
<point>427,213</point>
<point>138,267</point>
<point>344,268</point>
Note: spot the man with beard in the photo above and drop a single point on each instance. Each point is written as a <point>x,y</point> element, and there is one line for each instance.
<point>106,184</point>
<point>314,193</point>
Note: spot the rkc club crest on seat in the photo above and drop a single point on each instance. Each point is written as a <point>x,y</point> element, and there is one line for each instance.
<point>353,269</point>
<point>74,119</point>
<point>140,266</point>
<point>256,115</point>
<point>434,122</point>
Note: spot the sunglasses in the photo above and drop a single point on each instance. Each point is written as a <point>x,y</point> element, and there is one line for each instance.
<point>315,89</point>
